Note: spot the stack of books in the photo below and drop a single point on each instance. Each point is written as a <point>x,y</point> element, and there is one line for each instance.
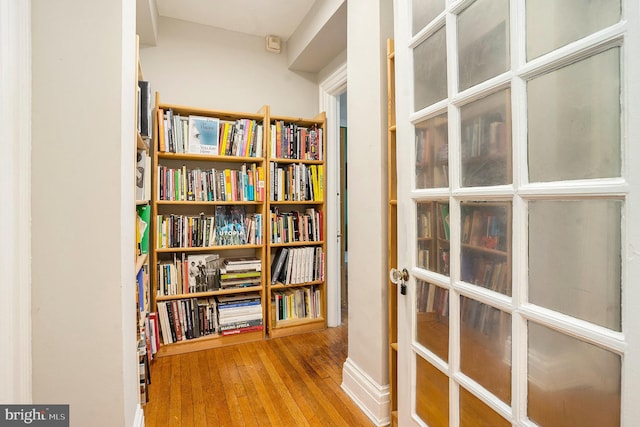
<point>239,313</point>
<point>240,273</point>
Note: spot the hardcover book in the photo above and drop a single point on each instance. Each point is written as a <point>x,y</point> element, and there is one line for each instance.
<point>203,272</point>
<point>230,225</point>
<point>203,135</point>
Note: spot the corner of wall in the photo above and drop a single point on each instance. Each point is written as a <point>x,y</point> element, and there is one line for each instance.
<point>371,397</point>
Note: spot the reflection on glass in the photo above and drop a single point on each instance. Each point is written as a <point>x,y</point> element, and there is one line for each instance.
<point>443,238</point>
<point>432,153</point>
<point>430,70</point>
<point>548,27</point>
<point>424,232</point>
<point>432,394</point>
<point>474,413</point>
<point>424,12</point>
<point>486,141</point>
<point>573,378</point>
<point>574,120</point>
<point>485,354</point>
<point>575,258</point>
<point>483,41</point>
<point>432,318</point>
<point>486,249</point>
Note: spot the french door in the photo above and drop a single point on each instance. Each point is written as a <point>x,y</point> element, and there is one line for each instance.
<point>515,134</point>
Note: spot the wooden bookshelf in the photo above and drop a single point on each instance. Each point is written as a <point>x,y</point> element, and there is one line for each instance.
<point>199,188</point>
<point>141,261</point>
<point>392,231</point>
<point>297,198</point>
<point>174,199</point>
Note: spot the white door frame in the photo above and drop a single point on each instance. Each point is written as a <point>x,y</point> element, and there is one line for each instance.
<point>15,210</point>
<point>330,90</point>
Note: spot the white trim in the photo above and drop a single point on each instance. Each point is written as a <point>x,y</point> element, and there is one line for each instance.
<point>370,396</point>
<point>329,91</point>
<point>15,210</point>
<point>138,421</point>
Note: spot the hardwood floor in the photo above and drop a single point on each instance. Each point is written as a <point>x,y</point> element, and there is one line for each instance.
<point>290,381</point>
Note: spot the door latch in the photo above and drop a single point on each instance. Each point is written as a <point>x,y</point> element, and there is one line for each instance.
<point>400,278</point>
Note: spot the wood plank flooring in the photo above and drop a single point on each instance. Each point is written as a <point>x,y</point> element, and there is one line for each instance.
<point>291,381</point>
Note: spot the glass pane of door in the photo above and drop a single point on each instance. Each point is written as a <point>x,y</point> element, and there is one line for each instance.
<point>432,153</point>
<point>424,12</point>
<point>474,413</point>
<point>548,27</point>
<point>432,399</point>
<point>483,41</point>
<point>486,246</point>
<point>575,258</point>
<point>430,70</point>
<point>432,318</point>
<point>486,140</point>
<point>567,376</point>
<point>485,352</point>
<point>571,136</point>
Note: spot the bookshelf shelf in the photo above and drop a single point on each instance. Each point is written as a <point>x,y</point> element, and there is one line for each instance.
<point>280,245</point>
<point>278,286</point>
<point>209,158</point>
<point>205,203</point>
<point>140,144</point>
<point>285,328</point>
<point>483,250</point>
<point>141,260</point>
<point>207,342</point>
<point>292,161</point>
<point>293,202</point>
<point>207,248</point>
<point>209,294</point>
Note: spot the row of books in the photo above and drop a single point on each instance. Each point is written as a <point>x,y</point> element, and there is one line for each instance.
<point>244,184</point>
<point>487,272</point>
<point>187,318</point>
<point>297,265</point>
<point>290,141</point>
<point>150,334</point>
<point>296,226</point>
<point>144,109</point>
<point>239,313</point>
<point>296,304</point>
<point>484,135</point>
<point>187,274</point>
<point>432,299</point>
<point>209,135</point>
<point>230,226</point>
<point>240,272</point>
<point>485,227</point>
<point>423,221</point>
<point>296,182</point>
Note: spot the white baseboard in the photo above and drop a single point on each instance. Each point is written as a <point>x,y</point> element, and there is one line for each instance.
<point>138,420</point>
<point>370,396</point>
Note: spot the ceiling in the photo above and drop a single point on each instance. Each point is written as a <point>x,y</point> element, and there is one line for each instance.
<point>315,31</point>
<point>255,17</point>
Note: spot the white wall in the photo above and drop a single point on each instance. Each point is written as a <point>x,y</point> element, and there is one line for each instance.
<point>369,25</point>
<point>207,67</point>
<point>83,298</point>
